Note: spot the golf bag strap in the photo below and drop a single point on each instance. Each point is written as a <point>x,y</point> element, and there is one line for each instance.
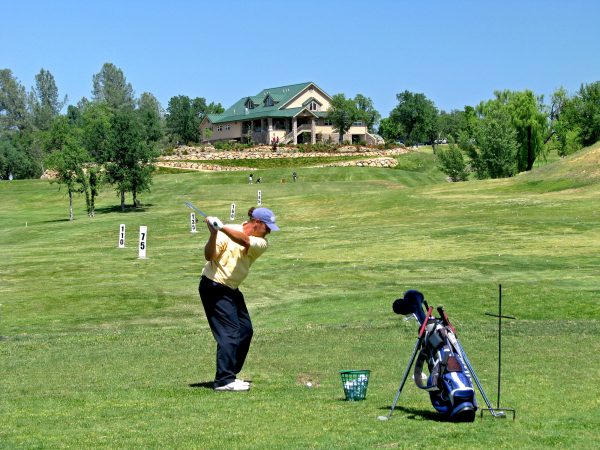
<point>418,373</point>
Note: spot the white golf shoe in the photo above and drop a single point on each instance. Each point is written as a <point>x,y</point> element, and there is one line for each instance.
<point>237,385</point>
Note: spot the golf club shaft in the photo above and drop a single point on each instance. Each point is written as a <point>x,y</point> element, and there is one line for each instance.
<point>463,354</point>
<point>474,376</point>
<point>202,213</point>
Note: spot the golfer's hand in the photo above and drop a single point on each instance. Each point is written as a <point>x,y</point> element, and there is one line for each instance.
<point>214,223</point>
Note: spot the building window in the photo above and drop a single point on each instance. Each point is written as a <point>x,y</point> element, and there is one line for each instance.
<point>327,122</point>
<point>227,127</point>
<point>249,104</point>
<point>358,123</point>
<point>219,127</point>
<point>313,106</point>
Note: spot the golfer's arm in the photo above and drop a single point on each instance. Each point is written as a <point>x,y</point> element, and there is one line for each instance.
<point>239,237</point>
<point>210,249</point>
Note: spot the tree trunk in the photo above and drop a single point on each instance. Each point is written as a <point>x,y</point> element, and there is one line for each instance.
<point>123,201</point>
<point>530,155</point>
<point>71,217</point>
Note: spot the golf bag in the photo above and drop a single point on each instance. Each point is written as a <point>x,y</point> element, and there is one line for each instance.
<point>448,378</point>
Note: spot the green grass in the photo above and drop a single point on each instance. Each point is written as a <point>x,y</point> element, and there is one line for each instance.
<point>99,349</point>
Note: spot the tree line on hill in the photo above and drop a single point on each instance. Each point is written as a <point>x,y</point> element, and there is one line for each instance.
<point>114,137</point>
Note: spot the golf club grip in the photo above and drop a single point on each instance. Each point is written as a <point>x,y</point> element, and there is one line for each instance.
<point>424,324</point>
<point>445,319</point>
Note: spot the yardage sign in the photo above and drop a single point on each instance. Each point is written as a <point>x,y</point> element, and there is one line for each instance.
<point>143,237</point>
<point>259,198</point>
<point>193,220</point>
<point>122,235</point>
<point>232,214</point>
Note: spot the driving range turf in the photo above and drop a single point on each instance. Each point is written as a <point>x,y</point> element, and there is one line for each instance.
<point>100,349</point>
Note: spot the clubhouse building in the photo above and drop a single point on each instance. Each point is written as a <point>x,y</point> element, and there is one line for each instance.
<point>287,114</point>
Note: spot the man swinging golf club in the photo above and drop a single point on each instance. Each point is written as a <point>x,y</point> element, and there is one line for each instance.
<point>229,252</point>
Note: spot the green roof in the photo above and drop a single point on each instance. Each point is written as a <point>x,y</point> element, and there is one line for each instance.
<point>281,95</point>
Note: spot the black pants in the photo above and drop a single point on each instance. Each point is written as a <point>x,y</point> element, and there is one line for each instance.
<point>230,324</point>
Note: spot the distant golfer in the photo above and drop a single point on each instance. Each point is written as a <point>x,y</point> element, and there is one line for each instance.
<point>230,251</point>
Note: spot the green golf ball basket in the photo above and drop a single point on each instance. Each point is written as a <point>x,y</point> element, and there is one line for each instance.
<point>355,384</point>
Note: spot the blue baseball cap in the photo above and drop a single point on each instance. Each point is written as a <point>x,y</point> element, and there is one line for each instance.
<point>266,216</point>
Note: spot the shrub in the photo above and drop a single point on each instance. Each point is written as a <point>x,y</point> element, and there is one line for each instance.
<point>452,162</point>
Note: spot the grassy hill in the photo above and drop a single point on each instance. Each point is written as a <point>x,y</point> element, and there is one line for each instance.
<point>100,349</point>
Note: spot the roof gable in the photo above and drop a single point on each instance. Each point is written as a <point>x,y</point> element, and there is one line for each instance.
<point>270,102</point>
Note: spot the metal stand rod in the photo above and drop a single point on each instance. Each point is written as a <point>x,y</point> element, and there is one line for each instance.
<point>405,376</point>
<point>454,340</point>
<point>410,362</point>
<point>499,341</point>
<point>500,316</point>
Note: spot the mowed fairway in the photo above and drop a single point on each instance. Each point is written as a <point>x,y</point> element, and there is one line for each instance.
<point>99,349</point>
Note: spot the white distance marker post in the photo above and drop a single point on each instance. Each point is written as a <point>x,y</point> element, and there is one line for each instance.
<point>259,198</point>
<point>193,222</point>
<point>143,237</point>
<point>232,214</point>
<point>122,235</point>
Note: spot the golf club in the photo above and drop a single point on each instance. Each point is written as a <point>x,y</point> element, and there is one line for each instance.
<point>202,213</point>
<point>471,372</point>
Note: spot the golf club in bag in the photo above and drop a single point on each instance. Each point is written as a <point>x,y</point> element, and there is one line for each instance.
<point>450,374</point>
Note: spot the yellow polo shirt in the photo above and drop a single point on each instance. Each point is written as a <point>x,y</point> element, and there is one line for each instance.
<point>232,264</point>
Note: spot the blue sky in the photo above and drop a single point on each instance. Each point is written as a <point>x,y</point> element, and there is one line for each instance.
<point>455,52</point>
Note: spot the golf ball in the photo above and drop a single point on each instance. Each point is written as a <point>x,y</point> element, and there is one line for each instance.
<point>309,384</point>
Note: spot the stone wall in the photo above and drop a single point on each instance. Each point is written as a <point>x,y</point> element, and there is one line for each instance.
<point>181,157</point>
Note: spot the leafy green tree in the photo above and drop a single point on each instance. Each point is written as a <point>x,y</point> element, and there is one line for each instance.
<point>181,120</point>
<point>140,179</point>
<point>342,112</point>
<point>68,158</point>
<point>184,116</point>
<point>367,112</point>
<point>13,103</point>
<point>530,122</point>
<point>44,100</point>
<point>564,130</point>
<point>494,152</point>
<point>131,156</point>
<point>95,123</point>
<point>111,87</point>
<point>94,181</point>
<point>151,116</point>
<point>389,130</point>
<point>74,115</point>
<point>557,104</point>
<point>587,107</point>
<point>450,125</point>
<point>201,108</point>
<point>14,158</point>
<point>452,162</point>
<point>416,115</point>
